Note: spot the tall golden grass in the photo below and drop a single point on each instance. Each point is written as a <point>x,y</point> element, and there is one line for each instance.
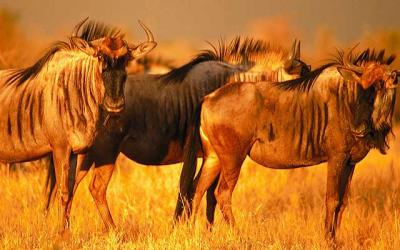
<point>275,209</point>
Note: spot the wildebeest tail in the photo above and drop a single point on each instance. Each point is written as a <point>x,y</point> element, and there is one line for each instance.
<point>186,180</point>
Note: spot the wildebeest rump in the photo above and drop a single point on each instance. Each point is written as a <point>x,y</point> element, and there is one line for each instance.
<point>53,105</point>
<point>334,114</point>
<point>161,109</point>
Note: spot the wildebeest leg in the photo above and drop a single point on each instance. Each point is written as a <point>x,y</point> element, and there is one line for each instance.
<point>79,167</point>
<point>51,184</point>
<point>61,156</point>
<point>344,192</point>
<point>209,172</point>
<point>337,181</point>
<point>83,164</point>
<point>98,188</point>
<point>230,170</point>
<point>211,202</point>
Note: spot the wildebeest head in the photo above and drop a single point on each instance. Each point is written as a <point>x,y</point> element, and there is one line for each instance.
<point>381,80</point>
<point>114,54</point>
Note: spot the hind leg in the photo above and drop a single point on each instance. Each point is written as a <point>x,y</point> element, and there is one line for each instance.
<point>211,202</point>
<point>209,172</point>
<point>227,182</point>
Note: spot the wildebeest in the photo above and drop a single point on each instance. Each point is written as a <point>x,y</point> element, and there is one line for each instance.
<point>53,105</point>
<point>161,110</point>
<point>333,114</point>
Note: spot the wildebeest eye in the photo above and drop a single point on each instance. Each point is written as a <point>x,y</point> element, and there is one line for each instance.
<point>101,57</point>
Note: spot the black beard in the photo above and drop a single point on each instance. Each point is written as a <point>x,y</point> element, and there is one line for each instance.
<point>382,118</point>
<point>383,108</point>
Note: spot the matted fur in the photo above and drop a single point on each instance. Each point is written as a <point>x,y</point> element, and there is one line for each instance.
<point>67,88</point>
<point>90,31</point>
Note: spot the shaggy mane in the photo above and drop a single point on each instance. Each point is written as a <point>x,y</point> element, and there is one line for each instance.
<point>244,51</point>
<point>90,31</point>
<point>305,82</point>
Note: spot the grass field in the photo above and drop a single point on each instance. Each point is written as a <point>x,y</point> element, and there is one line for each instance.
<point>275,209</point>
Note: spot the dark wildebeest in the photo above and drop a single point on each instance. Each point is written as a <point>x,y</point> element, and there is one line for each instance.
<point>53,105</point>
<point>161,110</point>
<point>334,114</point>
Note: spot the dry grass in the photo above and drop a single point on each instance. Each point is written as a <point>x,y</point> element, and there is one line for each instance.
<point>275,209</point>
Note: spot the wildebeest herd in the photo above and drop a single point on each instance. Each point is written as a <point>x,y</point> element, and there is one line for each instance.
<point>238,99</point>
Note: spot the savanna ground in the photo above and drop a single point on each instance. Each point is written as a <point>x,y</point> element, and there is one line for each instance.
<point>275,209</point>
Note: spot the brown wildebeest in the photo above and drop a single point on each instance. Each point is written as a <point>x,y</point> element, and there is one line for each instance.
<point>334,114</point>
<point>53,105</point>
<point>161,109</point>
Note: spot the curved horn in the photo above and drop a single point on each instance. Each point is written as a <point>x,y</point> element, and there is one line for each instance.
<point>78,27</point>
<point>348,64</point>
<point>289,63</point>
<point>293,50</point>
<point>142,49</point>
<point>150,37</point>
<point>295,55</point>
<point>297,51</point>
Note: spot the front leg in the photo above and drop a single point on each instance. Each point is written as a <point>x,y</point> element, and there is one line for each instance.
<point>98,188</point>
<point>80,168</point>
<point>340,171</point>
<point>61,155</point>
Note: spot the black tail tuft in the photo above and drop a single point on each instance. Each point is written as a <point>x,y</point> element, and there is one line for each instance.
<point>190,150</point>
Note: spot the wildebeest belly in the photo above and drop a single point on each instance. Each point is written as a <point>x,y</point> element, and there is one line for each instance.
<point>23,144</point>
<point>9,152</point>
<point>282,155</point>
<point>150,151</point>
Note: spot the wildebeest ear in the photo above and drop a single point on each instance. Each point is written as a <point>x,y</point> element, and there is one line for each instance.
<point>142,49</point>
<point>349,75</point>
